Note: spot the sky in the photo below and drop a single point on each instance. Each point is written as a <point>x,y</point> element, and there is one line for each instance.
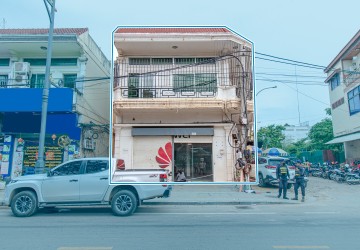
<point>307,31</point>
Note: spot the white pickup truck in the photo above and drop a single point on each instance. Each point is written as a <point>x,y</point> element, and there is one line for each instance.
<point>83,182</point>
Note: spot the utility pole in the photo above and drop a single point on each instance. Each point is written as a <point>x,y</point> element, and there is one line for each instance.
<point>40,163</point>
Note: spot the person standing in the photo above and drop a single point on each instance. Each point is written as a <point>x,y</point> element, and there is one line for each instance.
<point>299,180</point>
<point>282,174</point>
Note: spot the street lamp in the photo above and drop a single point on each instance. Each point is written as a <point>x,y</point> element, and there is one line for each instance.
<point>40,163</point>
<point>273,87</point>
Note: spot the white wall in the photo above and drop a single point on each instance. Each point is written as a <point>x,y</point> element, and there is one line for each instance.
<point>343,123</point>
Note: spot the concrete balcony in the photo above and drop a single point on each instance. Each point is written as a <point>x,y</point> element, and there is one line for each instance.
<point>222,99</point>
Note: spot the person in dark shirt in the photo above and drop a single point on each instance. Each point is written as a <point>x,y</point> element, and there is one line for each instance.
<point>299,181</point>
<point>282,174</point>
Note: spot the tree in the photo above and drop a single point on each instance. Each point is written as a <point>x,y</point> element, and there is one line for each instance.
<point>321,133</point>
<point>297,147</point>
<point>270,136</point>
<point>328,111</point>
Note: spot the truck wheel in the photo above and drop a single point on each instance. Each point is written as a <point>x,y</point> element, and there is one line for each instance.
<point>261,181</point>
<point>24,204</point>
<point>123,203</point>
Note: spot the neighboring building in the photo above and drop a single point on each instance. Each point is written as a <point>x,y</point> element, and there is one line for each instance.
<point>78,109</point>
<point>183,99</point>
<point>344,89</point>
<point>295,133</point>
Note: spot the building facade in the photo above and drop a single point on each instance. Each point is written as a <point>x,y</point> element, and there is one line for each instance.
<point>294,133</point>
<point>183,100</point>
<point>78,105</point>
<point>344,90</point>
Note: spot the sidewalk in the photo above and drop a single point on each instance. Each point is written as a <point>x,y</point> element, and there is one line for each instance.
<point>211,195</point>
<point>218,195</point>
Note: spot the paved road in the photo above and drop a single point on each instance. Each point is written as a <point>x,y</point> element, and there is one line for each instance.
<point>328,221</point>
<point>184,227</point>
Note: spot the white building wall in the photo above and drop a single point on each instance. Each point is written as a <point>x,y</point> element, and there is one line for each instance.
<point>352,150</point>
<point>220,155</point>
<point>295,133</point>
<point>343,123</point>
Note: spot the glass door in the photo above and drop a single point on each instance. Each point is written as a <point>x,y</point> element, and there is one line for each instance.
<point>195,159</point>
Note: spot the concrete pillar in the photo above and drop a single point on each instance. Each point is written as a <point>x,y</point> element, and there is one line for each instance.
<point>230,162</point>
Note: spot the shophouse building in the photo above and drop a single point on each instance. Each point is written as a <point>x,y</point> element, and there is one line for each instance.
<point>78,104</point>
<point>183,100</point>
<point>344,90</point>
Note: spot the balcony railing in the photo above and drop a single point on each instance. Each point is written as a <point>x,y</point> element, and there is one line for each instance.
<point>351,76</point>
<point>181,77</point>
<point>27,83</point>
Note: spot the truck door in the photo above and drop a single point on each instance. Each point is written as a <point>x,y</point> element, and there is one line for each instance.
<point>63,184</point>
<point>95,180</point>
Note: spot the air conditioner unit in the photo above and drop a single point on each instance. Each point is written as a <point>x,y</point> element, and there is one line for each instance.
<point>88,134</point>
<point>21,68</point>
<point>20,75</point>
<point>19,81</point>
<point>89,144</point>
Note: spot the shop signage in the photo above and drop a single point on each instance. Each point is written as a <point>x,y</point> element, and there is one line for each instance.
<point>53,156</point>
<point>5,150</point>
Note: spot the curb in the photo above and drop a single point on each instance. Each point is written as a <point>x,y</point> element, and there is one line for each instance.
<point>217,203</point>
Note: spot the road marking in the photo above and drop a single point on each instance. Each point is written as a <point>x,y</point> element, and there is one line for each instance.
<point>208,213</point>
<point>85,248</point>
<point>301,247</point>
<point>321,212</point>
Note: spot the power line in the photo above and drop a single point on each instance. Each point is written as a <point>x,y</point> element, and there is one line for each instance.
<point>295,64</point>
<point>307,83</point>
<point>285,59</point>
<point>289,75</point>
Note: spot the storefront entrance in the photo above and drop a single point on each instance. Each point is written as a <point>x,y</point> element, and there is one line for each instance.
<point>195,159</point>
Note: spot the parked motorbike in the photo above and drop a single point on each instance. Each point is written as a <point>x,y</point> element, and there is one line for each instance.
<point>353,178</point>
<point>339,176</point>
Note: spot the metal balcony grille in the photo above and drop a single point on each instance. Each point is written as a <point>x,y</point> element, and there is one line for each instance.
<point>183,77</point>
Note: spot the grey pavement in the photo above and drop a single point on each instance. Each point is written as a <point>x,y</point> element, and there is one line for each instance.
<point>218,195</point>
<point>212,195</point>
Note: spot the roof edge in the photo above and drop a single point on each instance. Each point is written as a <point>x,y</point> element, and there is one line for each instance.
<point>43,31</point>
<point>347,47</point>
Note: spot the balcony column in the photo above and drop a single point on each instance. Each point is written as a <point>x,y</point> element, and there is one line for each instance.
<point>230,161</point>
<point>116,143</point>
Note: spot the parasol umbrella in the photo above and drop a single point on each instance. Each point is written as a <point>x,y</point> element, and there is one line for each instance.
<point>275,152</point>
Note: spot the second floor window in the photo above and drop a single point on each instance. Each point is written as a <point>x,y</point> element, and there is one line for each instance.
<point>205,82</point>
<point>4,61</point>
<point>141,86</point>
<point>335,81</point>
<point>354,100</point>
<point>3,81</point>
<point>70,81</point>
<point>37,81</point>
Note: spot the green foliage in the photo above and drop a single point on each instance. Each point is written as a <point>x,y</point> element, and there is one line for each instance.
<point>328,111</point>
<point>321,133</point>
<point>297,147</point>
<point>270,136</point>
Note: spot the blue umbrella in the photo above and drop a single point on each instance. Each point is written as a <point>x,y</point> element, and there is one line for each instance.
<point>275,152</point>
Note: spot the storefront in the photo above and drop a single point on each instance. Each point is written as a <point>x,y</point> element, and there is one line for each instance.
<point>195,159</point>
<point>202,153</point>
<point>19,153</point>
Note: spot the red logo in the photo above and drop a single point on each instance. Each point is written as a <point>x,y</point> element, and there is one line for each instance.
<point>164,156</point>
<point>120,164</point>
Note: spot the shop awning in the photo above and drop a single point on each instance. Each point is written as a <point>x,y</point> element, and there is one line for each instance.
<point>172,131</point>
<point>345,138</point>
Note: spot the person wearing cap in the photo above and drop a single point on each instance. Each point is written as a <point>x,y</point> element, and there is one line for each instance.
<point>282,174</point>
<point>299,180</point>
